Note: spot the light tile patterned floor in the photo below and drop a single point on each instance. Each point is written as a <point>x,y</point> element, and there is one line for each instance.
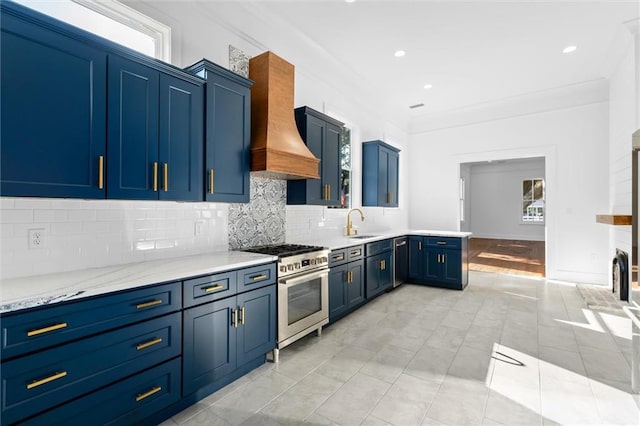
<point>506,351</point>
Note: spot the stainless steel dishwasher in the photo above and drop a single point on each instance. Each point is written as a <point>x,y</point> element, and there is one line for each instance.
<point>401,264</point>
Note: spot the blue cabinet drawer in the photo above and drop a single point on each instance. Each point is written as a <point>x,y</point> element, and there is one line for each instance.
<point>40,381</point>
<point>378,247</point>
<point>209,288</point>
<point>338,257</point>
<point>47,326</point>
<point>256,277</point>
<point>355,253</point>
<point>444,242</point>
<point>126,402</point>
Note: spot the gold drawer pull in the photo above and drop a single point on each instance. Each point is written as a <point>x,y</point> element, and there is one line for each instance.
<point>148,304</point>
<point>442,243</point>
<point>234,319</point>
<point>155,176</point>
<point>338,257</point>
<point>356,253</point>
<point>166,177</point>
<point>101,172</point>
<point>32,333</point>
<point>40,382</point>
<point>210,181</point>
<point>148,393</point>
<point>259,277</point>
<point>145,345</point>
<point>213,288</point>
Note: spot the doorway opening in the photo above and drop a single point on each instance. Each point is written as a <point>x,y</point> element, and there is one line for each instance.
<point>503,205</point>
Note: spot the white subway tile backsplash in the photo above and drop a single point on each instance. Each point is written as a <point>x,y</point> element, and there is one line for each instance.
<point>66,228</point>
<point>16,216</point>
<point>81,215</point>
<point>32,203</point>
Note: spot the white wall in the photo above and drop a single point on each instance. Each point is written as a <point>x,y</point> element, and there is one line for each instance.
<point>496,199</point>
<point>573,142</point>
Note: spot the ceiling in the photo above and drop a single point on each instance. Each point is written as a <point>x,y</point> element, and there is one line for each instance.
<point>472,52</point>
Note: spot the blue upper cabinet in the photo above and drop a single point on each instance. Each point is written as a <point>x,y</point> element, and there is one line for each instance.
<point>322,135</point>
<point>228,133</point>
<point>379,174</point>
<point>52,111</point>
<point>154,135</point>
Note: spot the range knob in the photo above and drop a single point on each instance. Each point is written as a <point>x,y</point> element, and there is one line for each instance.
<point>313,261</point>
<point>283,268</point>
<point>290,267</point>
<point>297,265</point>
<point>323,259</point>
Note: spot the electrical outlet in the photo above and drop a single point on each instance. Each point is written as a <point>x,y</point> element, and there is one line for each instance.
<point>37,238</point>
<point>198,228</point>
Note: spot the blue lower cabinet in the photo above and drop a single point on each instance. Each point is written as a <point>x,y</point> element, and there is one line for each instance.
<point>440,262</point>
<point>129,401</point>
<point>346,289</point>
<point>379,273</point>
<point>38,382</point>
<point>221,336</point>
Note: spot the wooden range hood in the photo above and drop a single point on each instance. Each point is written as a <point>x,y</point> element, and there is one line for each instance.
<point>277,151</point>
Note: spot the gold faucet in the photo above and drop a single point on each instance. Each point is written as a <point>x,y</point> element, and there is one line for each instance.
<point>350,224</point>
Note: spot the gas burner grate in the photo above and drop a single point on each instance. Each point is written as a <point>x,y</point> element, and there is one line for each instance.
<point>283,250</point>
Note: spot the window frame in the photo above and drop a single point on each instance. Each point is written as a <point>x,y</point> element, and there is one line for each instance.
<point>533,200</point>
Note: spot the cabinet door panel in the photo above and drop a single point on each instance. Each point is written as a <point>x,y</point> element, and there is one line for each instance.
<point>314,139</point>
<point>416,258</point>
<point>330,163</point>
<point>392,180</point>
<point>209,350</point>
<point>228,132</point>
<point>53,121</point>
<point>257,328</point>
<point>337,291</point>
<point>452,266</point>
<point>355,289</point>
<point>181,139</point>
<point>386,271</point>
<point>432,268</point>
<point>383,177</point>
<point>133,130</point>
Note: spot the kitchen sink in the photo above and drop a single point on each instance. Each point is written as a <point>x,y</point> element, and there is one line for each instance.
<point>362,237</point>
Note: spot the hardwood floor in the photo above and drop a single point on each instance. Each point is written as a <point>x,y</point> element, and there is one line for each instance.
<point>507,256</point>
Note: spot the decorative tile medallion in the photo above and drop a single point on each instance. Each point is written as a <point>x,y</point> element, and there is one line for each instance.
<point>238,61</point>
<point>261,221</point>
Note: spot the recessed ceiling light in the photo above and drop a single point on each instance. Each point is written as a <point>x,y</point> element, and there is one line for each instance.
<point>349,1</point>
<point>399,53</point>
<point>569,49</point>
<point>428,86</point>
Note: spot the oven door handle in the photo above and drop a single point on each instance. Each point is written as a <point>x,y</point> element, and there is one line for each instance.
<point>305,277</point>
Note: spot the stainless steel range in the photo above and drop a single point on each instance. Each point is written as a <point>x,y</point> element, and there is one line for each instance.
<point>303,290</point>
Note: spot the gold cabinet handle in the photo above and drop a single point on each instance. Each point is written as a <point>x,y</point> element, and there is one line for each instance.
<point>328,191</point>
<point>259,277</point>
<point>148,393</point>
<point>166,177</point>
<point>444,258</point>
<point>155,176</point>
<point>101,172</point>
<point>148,304</point>
<point>210,181</point>
<point>438,258</point>
<point>419,245</point>
<point>213,288</point>
<point>242,315</point>
<point>356,253</point>
<point>54,327</point>
<point>234,320</point>
<point>41,382</point>
<point>338,257</point>
<point>383,265</point>
<point>145,345</point>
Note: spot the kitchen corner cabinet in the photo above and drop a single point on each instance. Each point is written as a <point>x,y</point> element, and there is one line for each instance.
<point>228,133</point>
<point>380,163</point>
<point>322,135</point>
<point>155,134</point>
<point>53,111</point>
<point>379,267</point>
<point>346,281</point>
<point>439,261</point>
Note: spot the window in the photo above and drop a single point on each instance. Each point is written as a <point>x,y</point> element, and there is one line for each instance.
<point>533,200</point>
<point>113,21</point>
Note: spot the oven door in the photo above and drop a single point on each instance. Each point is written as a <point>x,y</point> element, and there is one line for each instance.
<point>303,302</point>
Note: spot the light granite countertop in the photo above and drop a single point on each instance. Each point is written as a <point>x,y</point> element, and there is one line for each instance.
<point>337,242</point>
<point>27,292</point>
